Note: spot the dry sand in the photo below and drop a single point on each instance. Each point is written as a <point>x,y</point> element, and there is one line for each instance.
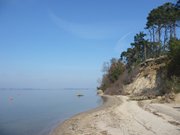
<point>120,116</point>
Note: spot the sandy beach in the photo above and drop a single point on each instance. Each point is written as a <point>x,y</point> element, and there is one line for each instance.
<point>121,116</point>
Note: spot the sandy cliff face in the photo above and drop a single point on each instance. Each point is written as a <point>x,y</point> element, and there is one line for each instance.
<point>149,80</point>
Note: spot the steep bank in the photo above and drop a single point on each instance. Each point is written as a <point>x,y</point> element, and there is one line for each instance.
<point>148,79</point>
<point>120,116</point>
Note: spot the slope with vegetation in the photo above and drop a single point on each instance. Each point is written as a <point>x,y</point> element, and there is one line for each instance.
<point>152,64</point>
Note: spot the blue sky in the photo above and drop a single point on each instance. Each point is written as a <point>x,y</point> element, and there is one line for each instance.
<point>63,43</point>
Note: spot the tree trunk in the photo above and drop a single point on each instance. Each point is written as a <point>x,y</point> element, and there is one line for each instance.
<point>174,27</point>
<point>153,34</point>
<point>144,51</point>
<point>159,39</point>
<point>171,31</point>
<point>150,33</point>
<point>165,37</point>
<point>159,34</point>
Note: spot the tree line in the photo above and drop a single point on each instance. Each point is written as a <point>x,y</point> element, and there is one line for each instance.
<point>161,38</point>
<point>161,25</point>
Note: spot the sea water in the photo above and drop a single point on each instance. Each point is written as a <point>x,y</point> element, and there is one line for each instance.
<point>36,112</point>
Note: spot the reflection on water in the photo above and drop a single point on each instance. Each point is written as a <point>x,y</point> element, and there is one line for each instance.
<point>34,112</point>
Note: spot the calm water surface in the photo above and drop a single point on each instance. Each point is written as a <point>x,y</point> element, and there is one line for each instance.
<point>35,112</point>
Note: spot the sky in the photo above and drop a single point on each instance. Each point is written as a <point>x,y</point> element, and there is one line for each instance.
<point>63,43</point>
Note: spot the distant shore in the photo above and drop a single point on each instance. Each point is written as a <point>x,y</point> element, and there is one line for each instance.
<point>119,115</point>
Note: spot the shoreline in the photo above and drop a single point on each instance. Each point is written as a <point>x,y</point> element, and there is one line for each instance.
<point>119,115</point>
<point>107,100</point>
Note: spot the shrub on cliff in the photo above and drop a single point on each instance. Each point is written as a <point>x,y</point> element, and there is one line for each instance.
<point>112,71</point>
<point>174,56</point>
<point>173,67</point>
